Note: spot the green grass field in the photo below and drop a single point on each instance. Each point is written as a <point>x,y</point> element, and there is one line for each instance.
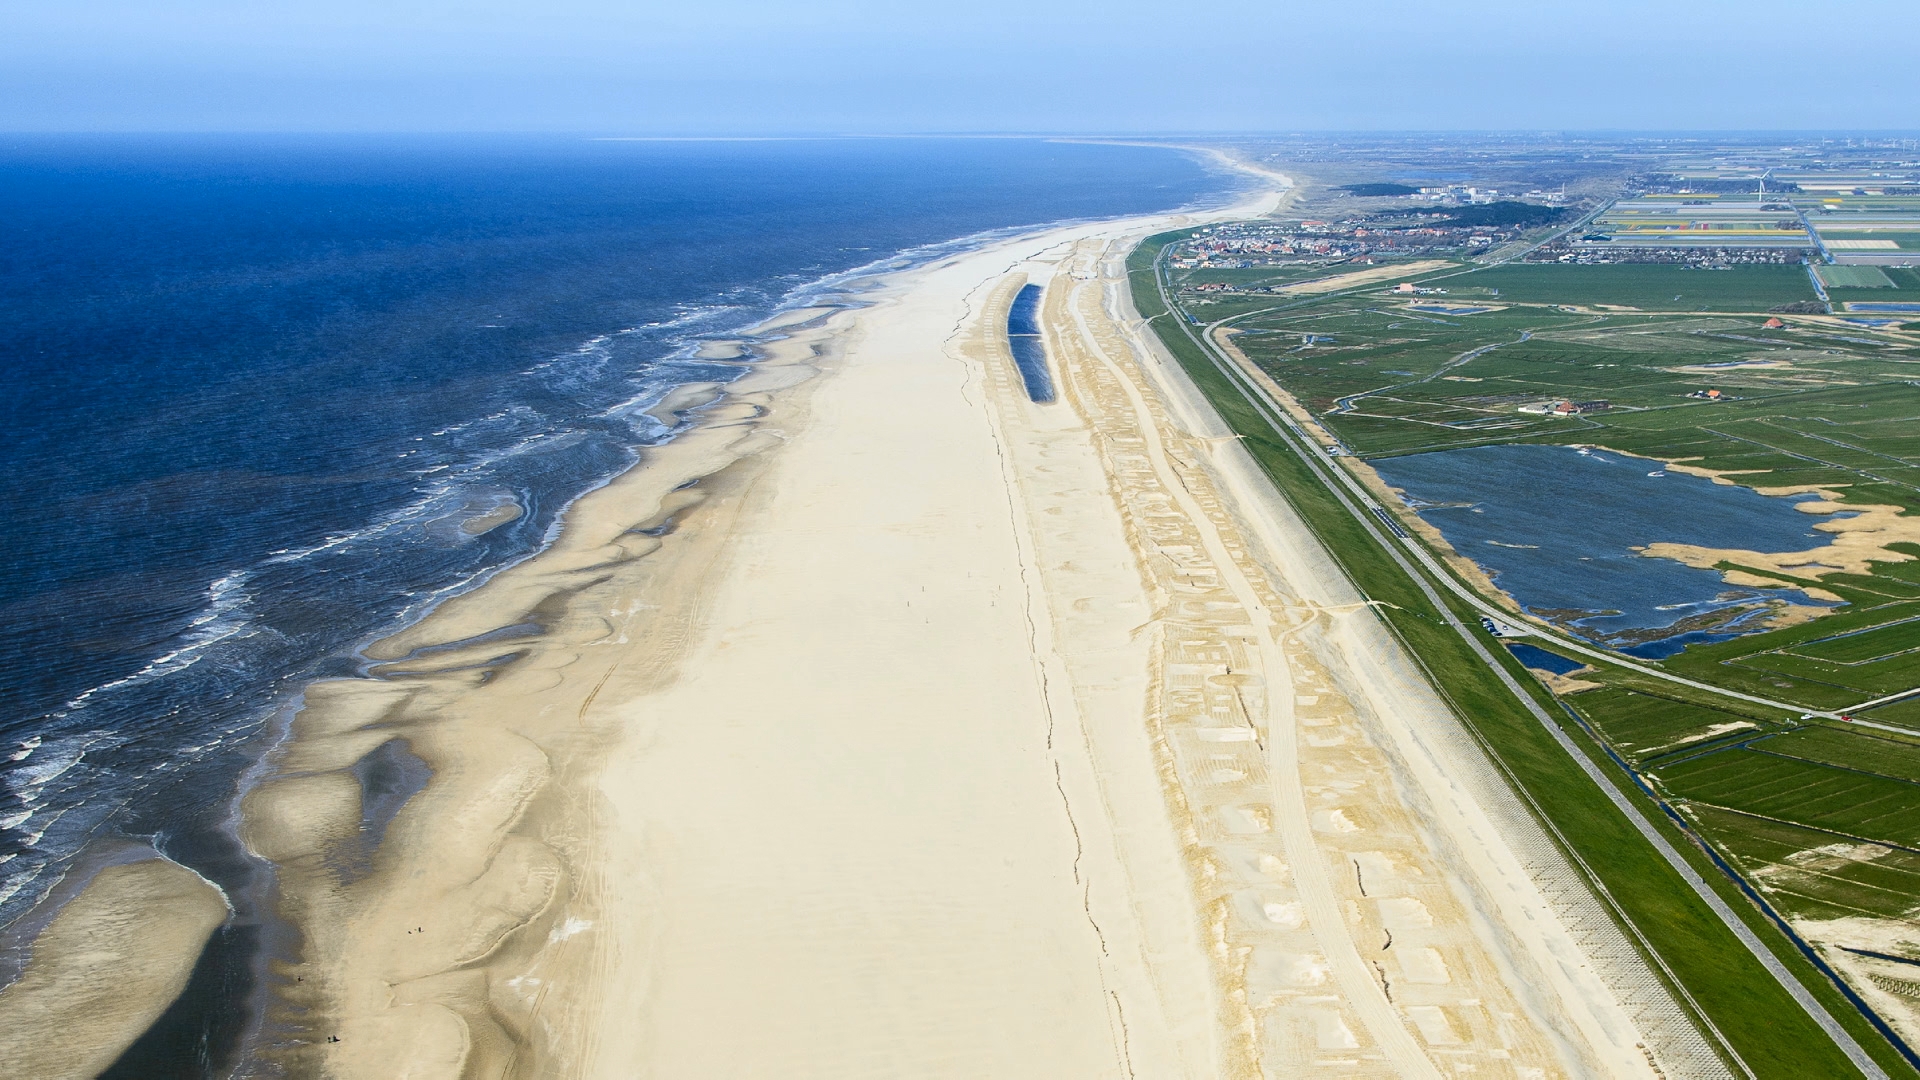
<point>1867,645</point>
<point>1849,802</point>
<point>1854,277</point>
<point>1852,747</point>
<point>1646,287</point>
<point>1907,240</point>
<point>1812,874</point>
<point>1643,724</point>
<point>1250,277</point>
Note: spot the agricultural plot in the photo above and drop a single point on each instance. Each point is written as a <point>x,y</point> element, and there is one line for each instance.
<point>1854,277</point>
<point>1696,220</point>
<point>1643,725</point>
<point>1865,646</point>
<point>1839,684</point>
<point>1902,714</point>
<point>1652,287</point>
<point>1853,239</point>
<point>1852,747</point>
<point>1795,664</point>
<point>1847,802</point>
<point>1653,377</point>
<point>1887,233</point>
<point>1251,277</point>
<point>1812,874</point>
<point>1848,190</point>
<point>1903,288</point>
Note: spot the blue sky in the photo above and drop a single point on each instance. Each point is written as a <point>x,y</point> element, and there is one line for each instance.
<point>765,67</point>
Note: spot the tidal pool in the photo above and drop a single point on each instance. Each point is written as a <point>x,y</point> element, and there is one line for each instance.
<point>1556,527</point>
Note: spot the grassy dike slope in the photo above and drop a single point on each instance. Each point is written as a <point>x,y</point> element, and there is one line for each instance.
<point>1768,1031</point>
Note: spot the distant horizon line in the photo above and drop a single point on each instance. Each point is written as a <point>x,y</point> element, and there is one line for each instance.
<point>598,135</point>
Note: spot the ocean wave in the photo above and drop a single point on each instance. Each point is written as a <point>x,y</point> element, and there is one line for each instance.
<point>598,397</point>
<point>222,618</point>
<point>30,777</point>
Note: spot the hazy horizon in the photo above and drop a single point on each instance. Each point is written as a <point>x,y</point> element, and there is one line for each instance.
<point>755,67</point>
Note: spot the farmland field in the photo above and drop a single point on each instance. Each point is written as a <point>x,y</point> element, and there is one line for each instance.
<point>1905,283</point>
<point>1854,748</point>
<point>1250,277</point>
<point>1865,646</point>
<point>1848,802</point>
<point>1896,239</point>
<point>1647,287</point>
<point>1855,277</point>
<point>1644,725</point>
<point>1811,876</point>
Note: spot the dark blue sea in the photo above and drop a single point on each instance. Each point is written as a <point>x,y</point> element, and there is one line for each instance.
<point>256,386</point>
<point>1557,526</point>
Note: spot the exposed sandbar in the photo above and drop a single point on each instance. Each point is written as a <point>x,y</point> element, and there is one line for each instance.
<point>105,968</point>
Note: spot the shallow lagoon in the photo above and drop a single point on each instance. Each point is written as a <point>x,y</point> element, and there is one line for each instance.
<point>1556,526</point>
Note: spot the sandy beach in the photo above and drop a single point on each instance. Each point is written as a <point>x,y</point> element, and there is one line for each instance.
<point>887,723</point>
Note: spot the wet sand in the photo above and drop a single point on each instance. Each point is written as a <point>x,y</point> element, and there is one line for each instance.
<point>105,967</point>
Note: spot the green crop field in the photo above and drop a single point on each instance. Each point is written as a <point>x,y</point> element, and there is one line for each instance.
<point>1852,747</point>
<point>1904,239</point>
<point>1809,874</point>
<point>1251,277</point>
<point>1646,287</point>
<point>1855,277</point>
<point>1867,645</point>
<point>1642,725</point>
<point>1905,287</point>
<point>1846,801</point>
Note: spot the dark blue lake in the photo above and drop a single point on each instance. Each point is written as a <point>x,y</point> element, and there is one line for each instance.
<point>1535,657</point>
<point>1556,528</point>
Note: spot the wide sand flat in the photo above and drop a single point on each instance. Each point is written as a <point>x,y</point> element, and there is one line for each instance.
<point>859,860</point>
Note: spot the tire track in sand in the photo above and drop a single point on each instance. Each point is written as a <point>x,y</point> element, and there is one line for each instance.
<point>1358,983</point>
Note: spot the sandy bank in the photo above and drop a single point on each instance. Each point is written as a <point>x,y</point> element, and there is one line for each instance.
<point>105,967</point>
<point>418,931</point>
<point>1861,539</point>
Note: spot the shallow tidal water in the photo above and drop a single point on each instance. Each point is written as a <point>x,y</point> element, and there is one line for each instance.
<point>1556,528</point>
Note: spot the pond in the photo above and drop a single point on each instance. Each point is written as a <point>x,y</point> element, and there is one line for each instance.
<point>1556,527</point>
<point>1535,657</point>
